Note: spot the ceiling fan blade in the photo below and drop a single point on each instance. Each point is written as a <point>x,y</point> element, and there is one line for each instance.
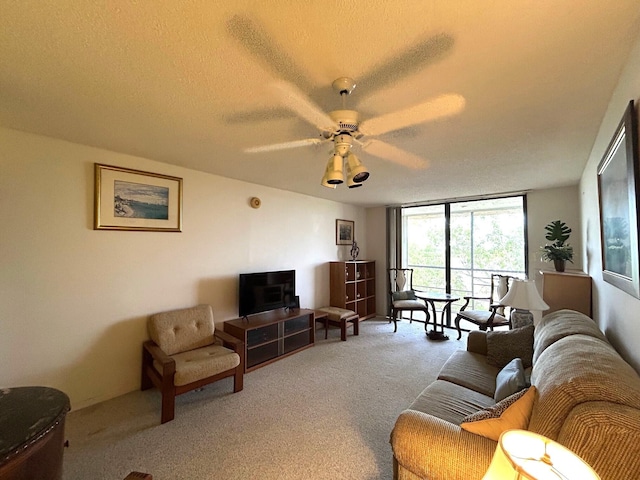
<point>407,62</point>
<point>284,146</point>
<point>258,115</point>
<point>257,42</point>
<point>396,155</point>
<point>298,102</point>
<point>438,107</point>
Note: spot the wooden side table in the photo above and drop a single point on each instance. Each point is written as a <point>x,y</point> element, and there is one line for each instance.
<point>32,433</point>
<point>431,298</point>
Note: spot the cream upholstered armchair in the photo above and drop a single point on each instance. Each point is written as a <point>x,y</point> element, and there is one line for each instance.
<point>187,352</point>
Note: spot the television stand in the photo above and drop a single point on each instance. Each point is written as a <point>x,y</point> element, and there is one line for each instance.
<point>273,335</point>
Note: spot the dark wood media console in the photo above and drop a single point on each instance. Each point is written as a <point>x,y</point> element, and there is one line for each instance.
<point>273,335</point>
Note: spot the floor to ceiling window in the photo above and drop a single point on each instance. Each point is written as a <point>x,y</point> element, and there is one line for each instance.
<point>455,247</point>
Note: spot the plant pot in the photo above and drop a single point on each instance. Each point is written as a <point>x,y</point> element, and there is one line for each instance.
<point>559,264</point>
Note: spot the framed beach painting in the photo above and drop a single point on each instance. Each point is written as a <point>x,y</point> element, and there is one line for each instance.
<point>344,232</point>
<point>618,189</point>
<point>128,199</point>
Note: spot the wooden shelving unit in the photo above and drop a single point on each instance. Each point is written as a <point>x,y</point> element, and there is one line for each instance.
<point>353,286</point>
<point>273,335</point>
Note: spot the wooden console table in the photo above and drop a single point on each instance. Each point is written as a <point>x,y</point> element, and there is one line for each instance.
<point>569,289</point>
<point>273,335</point>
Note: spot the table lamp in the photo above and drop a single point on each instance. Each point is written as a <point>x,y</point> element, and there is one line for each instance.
<point>526,455</point>
<point>523,297</point>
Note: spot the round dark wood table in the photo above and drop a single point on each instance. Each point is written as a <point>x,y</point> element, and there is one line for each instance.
<point>32,433</point>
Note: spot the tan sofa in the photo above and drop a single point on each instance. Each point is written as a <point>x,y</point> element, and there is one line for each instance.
<point>587,398</point>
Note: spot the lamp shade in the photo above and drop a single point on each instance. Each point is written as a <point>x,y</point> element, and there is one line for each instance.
<point>521,454</point>
<point>524,295</point>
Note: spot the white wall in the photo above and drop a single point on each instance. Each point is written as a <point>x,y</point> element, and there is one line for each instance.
<point>74,301</point>
<point>545,206</point>
<point>617,312</point>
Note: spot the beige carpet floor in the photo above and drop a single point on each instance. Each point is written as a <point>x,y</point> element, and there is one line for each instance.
<point>323,413</point>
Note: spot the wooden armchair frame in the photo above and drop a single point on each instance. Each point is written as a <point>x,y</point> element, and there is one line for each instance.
<point>493,316</point>
<point>410,305</point>
<point>165,381</point>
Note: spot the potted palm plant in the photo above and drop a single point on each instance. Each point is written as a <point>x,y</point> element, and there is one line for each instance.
<point>558,252</point>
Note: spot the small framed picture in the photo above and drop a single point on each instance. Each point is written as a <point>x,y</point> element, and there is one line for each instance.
<point>128,199</point>
<point>344,232</point>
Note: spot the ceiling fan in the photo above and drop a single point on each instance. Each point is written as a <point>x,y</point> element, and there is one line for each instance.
<point>344,128</point>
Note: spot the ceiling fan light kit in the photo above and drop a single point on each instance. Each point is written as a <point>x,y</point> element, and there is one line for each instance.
<point>352,182</point>
<point>342,144</point>
<point>334,170</point>
<point>325,178</point>
<point>356,169</point>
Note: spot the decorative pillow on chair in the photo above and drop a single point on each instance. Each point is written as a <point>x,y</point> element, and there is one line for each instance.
<point>511,413</point>
<point>404,295</point>
<point>510,380</point>
<point>504,346</point>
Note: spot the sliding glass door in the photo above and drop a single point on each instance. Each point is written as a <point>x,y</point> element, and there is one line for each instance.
<point>454,247</point>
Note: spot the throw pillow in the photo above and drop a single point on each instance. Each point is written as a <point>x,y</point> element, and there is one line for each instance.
<point>511,413</point>
<point>510,380</point>
<point>404,295</point>
<point>504,346</point>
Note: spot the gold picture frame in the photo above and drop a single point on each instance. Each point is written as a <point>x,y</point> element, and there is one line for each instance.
<point>127,199</point>
<point>345,232</point>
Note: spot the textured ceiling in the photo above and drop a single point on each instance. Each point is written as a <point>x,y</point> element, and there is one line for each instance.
<point>188,83</point>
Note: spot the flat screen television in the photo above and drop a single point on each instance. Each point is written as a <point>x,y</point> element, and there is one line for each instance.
<point>264,291</point>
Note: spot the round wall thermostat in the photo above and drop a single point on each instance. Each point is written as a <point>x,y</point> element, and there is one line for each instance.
<point>255,202</point>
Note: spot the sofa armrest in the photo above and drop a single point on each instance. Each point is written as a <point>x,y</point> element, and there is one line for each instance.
<point>477,342</point>
<point>435,449</point>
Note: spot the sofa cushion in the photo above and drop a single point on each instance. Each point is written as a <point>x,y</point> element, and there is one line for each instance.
<point>606,436</point>
<point>477,342</point>
<point>575,370</point>
<point>560,324</point>
<point>470,370</point>
<point>180,330</point>
<point>450,402</point>
<point>201,363</point>
<point>504,346</point>
<point>511,413</point>
<point>510,380</point>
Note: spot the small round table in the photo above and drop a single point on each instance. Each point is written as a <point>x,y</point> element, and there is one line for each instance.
<point>32,432</point>
<point>431,298</point>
